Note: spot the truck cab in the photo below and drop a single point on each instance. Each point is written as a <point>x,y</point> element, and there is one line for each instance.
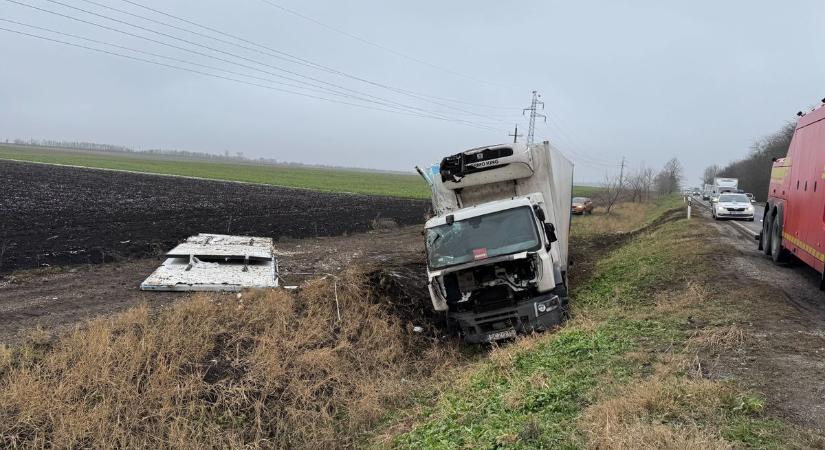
<point>491,267</point>
<point>497,246</point>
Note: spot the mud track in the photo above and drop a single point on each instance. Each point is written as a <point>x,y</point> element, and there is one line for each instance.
<point>785,311</point>
<point>55,216</point>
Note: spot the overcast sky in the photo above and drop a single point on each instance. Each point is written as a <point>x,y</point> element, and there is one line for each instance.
<point>699,80</point>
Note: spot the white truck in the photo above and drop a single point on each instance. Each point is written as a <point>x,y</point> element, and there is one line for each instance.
<point>497,246</point>
<point>722,185</point>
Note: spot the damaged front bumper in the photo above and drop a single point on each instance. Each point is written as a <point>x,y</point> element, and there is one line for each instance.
<point>537,314</point>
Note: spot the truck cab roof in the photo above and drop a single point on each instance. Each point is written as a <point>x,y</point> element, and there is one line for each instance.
<point>482,209</point>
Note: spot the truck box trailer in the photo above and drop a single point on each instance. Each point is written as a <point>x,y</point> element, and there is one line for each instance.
<point>497,246</point>
<point>722,185</point>
<point>794,218</point>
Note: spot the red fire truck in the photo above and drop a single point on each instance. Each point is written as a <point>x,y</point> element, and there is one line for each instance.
<point>794,221</point>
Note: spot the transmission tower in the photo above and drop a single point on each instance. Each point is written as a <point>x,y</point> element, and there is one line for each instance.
<point>531,131</point>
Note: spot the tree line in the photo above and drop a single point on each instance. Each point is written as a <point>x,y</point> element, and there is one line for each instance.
<point>754,170</point>
<point>639,185</point>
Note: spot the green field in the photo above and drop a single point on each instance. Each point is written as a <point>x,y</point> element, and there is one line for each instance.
<point>319,179</point>
<point>586,191</point>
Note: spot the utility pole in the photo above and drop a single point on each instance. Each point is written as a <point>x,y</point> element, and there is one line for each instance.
<point>531,131</point>
<point>621,174</point>
<point>515,135</point>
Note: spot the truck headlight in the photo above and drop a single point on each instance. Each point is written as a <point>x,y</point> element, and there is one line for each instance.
<point>547,306</point>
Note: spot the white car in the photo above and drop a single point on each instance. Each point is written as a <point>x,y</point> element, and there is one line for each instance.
<point>732,206</point>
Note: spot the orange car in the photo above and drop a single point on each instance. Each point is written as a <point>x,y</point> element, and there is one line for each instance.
<point>581,205</point>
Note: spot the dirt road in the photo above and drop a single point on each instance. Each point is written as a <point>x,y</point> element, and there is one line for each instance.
<point>783,355</point>
<point>59,298</point>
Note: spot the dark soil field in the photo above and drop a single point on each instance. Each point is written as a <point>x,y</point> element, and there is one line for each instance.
<point>55,216</point>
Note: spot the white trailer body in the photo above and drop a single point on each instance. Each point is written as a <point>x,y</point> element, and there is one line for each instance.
<point>722,185</point>
<point>497,248</point>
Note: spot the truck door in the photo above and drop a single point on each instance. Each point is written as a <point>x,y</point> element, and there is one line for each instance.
<point>794,179</point>
<point>805,209</point>
<point>814,138</point>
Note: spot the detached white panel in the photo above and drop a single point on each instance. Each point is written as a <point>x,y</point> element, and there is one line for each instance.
<point>216,262</point>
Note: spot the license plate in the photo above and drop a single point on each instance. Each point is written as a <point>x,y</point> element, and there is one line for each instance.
<point>499,335</point>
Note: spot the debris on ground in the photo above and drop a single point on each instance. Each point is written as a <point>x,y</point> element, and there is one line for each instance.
<point>216,262</point>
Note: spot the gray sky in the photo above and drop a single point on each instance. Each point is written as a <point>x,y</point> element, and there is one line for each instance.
<point>699,80</point>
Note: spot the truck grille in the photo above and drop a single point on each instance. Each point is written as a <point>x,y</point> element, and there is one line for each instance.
<point>503,321</point>
<point>491,298</point>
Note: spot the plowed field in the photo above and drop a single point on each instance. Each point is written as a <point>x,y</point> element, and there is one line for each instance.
<point>52,215</point>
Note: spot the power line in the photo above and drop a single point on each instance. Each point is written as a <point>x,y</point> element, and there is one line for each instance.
<point>277,53</point>
<point>171,66</point>
<point>555,121</point>
<point>169,58</point>
<point>381,100</point>
<point>297,59</point>
<point>375,44</point>
<point>302,61</point>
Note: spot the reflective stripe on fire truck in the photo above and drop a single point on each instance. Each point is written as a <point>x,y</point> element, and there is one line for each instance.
<point>812,251</point>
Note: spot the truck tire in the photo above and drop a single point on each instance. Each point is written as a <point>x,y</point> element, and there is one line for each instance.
<point>778,253</point>
<point>765,238</point>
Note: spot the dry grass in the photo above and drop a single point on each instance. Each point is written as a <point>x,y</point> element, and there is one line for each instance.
<point>729,337</point>
<point>660,412</point>
<point>271,369</point>
<point>694,294</point>
<point>624,217</point>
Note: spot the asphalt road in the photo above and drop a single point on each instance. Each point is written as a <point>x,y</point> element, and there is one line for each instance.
<point>755,227</point>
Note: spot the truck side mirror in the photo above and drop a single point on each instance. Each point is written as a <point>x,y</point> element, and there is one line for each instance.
<point>539,213</point>
<point>550,230</point>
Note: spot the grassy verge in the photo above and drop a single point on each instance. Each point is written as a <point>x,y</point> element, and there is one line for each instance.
<point>274,369</point>
<point>624,217</point>
<point>624,373</point>
<point>334,180</point>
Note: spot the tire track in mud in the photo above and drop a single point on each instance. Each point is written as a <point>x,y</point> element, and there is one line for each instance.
<point>785,324</point>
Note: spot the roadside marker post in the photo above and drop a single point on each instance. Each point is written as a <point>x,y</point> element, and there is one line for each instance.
<point>689,203</point>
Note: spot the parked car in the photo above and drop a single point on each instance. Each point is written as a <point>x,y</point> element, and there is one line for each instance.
<point>732,206</point>
<point>581,205</point>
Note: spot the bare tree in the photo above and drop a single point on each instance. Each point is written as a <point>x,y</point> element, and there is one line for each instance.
<point>638,184</point>
<point>612,187</point>
<point>711,172</point>
<point>670,178</point>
